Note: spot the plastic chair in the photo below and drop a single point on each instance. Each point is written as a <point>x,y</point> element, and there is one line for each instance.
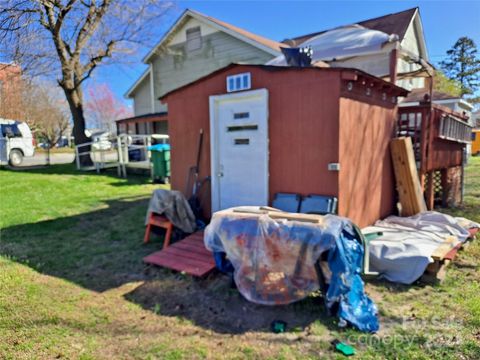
<point>318,204</point>
<point>159,221</point>
<point>287,202</point>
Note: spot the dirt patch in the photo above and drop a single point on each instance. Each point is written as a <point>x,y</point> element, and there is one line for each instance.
<point>214,304</point>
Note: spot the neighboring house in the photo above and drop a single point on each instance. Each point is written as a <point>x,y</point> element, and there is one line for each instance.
<point>455,103</point>
<point>10,91</point>
<point>411,51</point>
<point>195,46</point>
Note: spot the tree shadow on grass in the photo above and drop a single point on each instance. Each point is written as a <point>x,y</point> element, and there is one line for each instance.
<point>98,250</point>
<point>214,304</point>
<point>103,249</point>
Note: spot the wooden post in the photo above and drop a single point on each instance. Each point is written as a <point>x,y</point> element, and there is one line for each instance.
<point>430,190</point>
<point>393,66</point>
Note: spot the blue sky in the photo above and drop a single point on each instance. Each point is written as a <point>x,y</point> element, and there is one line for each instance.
<point>443,21</point>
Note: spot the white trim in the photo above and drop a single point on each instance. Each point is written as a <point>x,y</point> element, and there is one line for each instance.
<point>440,102</point>
<point>214,100</point>
<point>128,93</point>
<point>416,21</point>
<point>152,89</point>
<point>454,100</point>
<point>213,24</point>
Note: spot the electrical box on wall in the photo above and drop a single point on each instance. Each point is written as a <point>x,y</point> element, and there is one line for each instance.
<point>334,166</point>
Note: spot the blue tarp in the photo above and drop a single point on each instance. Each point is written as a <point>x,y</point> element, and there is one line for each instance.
<point>274,261</point>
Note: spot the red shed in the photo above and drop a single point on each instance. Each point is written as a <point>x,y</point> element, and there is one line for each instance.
<point>282,129</point>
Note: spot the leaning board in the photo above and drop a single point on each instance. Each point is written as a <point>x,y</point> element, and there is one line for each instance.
<point>408,185</point>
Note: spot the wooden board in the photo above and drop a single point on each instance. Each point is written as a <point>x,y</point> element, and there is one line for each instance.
<point>188,255</point>
<point>449,244</point>
<point>408,184</point>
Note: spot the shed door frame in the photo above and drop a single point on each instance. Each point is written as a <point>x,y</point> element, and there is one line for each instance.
<point>215,100</point>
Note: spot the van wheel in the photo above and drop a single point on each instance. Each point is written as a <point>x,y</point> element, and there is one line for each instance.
<point>16,157</point>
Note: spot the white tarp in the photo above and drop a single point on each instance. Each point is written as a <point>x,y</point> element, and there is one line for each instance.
<point>343,42</point>
<point>404,250</point>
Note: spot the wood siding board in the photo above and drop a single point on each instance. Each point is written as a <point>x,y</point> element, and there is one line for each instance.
<point>142,98</point>
<point>366,175</point>
<point>313,120</point>
<point>310,126</point>
<point>219,50</point>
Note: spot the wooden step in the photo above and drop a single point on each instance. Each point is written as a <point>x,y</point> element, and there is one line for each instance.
<point>188,256</point>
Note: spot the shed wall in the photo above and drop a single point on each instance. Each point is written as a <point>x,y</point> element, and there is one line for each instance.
<point>366,178</point>
<point>303,128</point>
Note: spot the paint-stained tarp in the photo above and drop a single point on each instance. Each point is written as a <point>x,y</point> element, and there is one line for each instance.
<point>274,261</point>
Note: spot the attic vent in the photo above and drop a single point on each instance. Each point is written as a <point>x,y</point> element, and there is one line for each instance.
<point>194,39</point>
<point>239,82</point>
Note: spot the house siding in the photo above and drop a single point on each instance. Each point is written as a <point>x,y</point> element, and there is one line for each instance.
<point>142,98</point>
<point>177,67</point>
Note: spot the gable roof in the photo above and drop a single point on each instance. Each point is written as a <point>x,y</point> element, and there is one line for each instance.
<point>142,77</point>
<point>439,97</point>
<point>396,23</point>
<point>267,45</point>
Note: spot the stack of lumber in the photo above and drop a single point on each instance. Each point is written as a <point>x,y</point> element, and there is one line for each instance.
<point>408,184</point>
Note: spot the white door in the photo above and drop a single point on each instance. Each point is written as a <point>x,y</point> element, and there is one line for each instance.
<point>239,149</point>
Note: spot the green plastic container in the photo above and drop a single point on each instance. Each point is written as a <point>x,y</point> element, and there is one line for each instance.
<point>161,161</point>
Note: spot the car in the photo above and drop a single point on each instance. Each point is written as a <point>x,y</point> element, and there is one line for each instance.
<point>17,141</point>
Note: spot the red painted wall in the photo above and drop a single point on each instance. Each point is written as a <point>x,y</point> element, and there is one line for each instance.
<point>304,111</point>
<point>367,182</point>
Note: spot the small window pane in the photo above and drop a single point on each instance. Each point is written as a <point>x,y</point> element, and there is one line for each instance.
<point>242,128</point>
<point>242,115</point>
<point>242,141</point>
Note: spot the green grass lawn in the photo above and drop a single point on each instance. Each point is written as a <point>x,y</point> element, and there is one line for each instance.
<point>73,285</point>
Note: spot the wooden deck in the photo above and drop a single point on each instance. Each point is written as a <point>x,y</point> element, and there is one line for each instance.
<point>188,255</point>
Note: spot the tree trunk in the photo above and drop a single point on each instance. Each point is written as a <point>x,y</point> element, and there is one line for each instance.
<point>76,108</point>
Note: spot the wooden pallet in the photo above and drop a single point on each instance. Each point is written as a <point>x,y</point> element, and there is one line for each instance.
<point>442,258</point>
<point>188,256</point>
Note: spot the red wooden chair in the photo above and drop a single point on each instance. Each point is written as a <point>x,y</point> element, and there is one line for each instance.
<point>159,221</point>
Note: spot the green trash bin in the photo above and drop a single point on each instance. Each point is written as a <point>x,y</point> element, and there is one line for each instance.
<point>160,161</point>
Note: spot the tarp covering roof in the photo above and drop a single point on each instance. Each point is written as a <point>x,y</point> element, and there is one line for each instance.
<point>396,23</point>
<point>343,42</point>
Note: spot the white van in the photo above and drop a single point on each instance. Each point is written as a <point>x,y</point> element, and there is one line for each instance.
<point>16,142</point>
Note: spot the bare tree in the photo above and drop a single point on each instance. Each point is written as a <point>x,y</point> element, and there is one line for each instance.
<point>46,113</point>
<point>71,38</point>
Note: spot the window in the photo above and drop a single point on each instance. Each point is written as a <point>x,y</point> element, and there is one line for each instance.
<point>242,115</point>
<point>194,39</point>
<point>238,82</point>
<point>242,141</point>
<point>11,130</point>
<point>242,128</point>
